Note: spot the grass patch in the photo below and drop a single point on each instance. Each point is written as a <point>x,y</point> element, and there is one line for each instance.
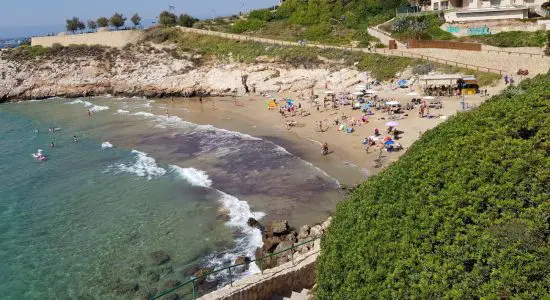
<point>511,39</point>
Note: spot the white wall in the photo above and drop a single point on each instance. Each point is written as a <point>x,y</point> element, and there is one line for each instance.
<point>116,39</point>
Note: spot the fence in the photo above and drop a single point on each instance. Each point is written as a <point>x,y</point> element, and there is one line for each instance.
<point>349,48</point>
<point>517,53</point>
<point>444,45</point>
<point>193,280</point>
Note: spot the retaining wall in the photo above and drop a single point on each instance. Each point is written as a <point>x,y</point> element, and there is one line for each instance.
<point>444,45</point>
<point>281,281</point>
<point>117,39</point>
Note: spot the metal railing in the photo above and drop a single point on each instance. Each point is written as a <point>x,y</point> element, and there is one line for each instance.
<point>193,280</point>
<point>349,48</point>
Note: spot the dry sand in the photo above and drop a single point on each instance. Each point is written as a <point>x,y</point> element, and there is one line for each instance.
<point>349,161</point>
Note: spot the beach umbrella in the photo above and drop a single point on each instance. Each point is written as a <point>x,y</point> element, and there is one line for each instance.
<point>361,87</point>
<point>358,93</point>
<point>370,92</point>
<point>392,124</point>
<point>413,94</point>
<point>392,103</point>
<point>428,97</point>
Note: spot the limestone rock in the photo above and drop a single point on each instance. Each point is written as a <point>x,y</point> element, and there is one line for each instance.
<point>242,260</point>
<point>326,224</point>
<point>160,257</point>
<point>316,230</point>
<point>254,223</point>
<point>278,227</point>
<point>304,232</point>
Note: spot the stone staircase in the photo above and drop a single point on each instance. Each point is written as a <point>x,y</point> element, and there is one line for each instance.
<point>303,295</point>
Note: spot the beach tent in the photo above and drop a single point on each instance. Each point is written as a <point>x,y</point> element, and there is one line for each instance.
<point>403,83</point>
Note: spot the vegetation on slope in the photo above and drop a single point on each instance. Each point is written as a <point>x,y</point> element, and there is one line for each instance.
<point>512,39</point>
<point>381,67</point>
<point>464,214</point>
<point>425,27</point>
<point>327,21</point>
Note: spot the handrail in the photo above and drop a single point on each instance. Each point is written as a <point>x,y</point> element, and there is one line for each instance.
<point>193,279</point>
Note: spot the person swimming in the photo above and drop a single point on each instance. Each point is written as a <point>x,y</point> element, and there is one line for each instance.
<point>75,140</point>
<point>52,145</point>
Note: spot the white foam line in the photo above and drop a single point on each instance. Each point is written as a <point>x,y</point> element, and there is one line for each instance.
<point>239,213</point>
<point>143,166</point>
<point>106,145</point>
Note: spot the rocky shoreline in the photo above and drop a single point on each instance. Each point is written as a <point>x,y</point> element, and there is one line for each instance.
<point>152,71</point>
<point>278,236</point>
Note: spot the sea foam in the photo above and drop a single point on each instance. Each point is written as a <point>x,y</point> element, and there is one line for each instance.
<point>143,166</point>
<point>106,145</point>
<point>193,176</point>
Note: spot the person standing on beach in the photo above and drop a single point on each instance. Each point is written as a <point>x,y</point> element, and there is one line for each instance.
<point>89,113</point>
<point>324,148</point>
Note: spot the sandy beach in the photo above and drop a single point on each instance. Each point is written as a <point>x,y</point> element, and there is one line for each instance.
<point>349,162</point>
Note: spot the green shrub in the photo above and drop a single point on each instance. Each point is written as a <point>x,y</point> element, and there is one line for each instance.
<point>261,14</point>
<point>424,27</point>
<point>248,25</point>
<point>463,214</point>
<point>318,32</point>
<point>512,39</point>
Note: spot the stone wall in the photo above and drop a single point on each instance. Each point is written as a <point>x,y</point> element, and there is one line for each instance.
<point>281,280</point>
<point>117,39</point>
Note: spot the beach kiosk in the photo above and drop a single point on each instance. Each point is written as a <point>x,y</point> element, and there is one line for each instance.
<point>470,85</point>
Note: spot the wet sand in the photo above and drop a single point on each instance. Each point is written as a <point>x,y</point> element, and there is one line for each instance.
<point>349,162</point>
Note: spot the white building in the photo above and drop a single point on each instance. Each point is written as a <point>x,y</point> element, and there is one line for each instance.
<point>481,10</point>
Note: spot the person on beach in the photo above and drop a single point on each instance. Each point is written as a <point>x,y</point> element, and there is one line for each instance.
<point>324,148</point>
<point>200,100</point>
<point>89,113</point>
<point>167,114</point>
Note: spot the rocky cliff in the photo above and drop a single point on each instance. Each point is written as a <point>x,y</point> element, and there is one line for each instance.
<point>151,71</point>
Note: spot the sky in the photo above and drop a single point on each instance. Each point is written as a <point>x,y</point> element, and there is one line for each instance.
<point>19,16</point>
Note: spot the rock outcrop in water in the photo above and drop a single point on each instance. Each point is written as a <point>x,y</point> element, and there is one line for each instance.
<point>278,236</point>
<point>145,70</point>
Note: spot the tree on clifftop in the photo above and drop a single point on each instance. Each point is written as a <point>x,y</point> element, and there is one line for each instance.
<point>74,24</point>
<point>92,25</point>
<point>102,22</point>
<point>117,20</point>
<point>136,19</point>
<point>167,18</point>
<point>186,20</point>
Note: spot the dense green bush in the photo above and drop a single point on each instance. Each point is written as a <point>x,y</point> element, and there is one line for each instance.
<point>318,32</point>
<point>464,214</point>
<point>261,14</point>
<point>247,25</point>
<point>424,27</point>
<point>512,39</point>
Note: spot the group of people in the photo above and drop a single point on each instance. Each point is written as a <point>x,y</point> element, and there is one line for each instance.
<point>39,154</point>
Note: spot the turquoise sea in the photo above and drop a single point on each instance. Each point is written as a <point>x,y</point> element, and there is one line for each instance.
<point>83,223</point>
